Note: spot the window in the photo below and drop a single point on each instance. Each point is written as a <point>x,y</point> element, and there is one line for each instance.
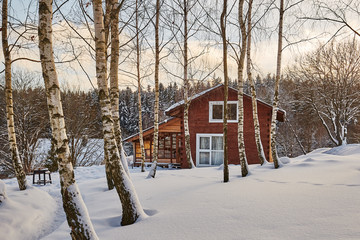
<point>216,111</point>
<point>210,150</point>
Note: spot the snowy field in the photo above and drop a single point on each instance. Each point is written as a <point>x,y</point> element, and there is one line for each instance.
<point>316,196</point>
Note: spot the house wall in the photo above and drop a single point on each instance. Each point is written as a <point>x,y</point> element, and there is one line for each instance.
<point>199,123</point>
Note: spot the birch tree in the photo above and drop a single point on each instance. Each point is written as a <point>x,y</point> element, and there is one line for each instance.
<point>131,206</point>
<point>240,72</point>
<point>114,77</point>
<point>226,83</point>
<point>275,106</point>
<point>76,212</point>
<point>138,76</point>
<point>16,161</point>
<point>152,171</point>
<point>186,22</point>
<point>259,146</point>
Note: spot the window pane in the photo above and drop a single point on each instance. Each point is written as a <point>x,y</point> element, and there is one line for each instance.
<point>217,143</point>
<point>232,111</point>
<point>204,158</point>
<point>217,111</point>
<point>204,143</point>
<point>217,158</point>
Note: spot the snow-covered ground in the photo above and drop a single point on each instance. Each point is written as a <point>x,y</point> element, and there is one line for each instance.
<point>316,196</point>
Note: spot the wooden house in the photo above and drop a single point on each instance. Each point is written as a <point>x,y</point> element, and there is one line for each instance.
<point>206,131</point>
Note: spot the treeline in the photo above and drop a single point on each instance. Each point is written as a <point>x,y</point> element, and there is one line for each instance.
<point>302,131</point>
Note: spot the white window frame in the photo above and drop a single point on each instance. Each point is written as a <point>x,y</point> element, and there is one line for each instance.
<point>211,103</point>
<point>205,150</point>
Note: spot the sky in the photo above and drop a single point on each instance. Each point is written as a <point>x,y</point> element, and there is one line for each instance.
<point>264,49</point>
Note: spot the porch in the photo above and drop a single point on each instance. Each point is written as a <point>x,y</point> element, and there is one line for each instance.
<point>169,144</point>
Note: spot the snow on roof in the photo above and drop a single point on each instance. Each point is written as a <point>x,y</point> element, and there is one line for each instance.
<point>192,98</point>
<point>147,129</point>
<point>175,105</point>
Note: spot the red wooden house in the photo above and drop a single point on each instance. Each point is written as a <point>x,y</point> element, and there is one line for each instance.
<point>205,124</point>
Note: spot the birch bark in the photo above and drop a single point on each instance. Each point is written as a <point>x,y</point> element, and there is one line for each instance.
<point>114,79</point>
<point>276,92</point>
<point>76,212</point>
<point>241,61</point>
<point>131,206</point>
<point>156,106</point>
<point>141,135</point>
<point>186,90</point>
<point>259,146</point>
<point>15,157</point>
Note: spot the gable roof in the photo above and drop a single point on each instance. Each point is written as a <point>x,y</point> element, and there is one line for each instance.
<point>150,130</point>
<point>181,103</point>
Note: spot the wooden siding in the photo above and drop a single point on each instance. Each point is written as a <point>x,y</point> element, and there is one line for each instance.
<point>199,123</point>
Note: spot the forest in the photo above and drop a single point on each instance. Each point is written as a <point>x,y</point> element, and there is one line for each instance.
<point>302,131</point>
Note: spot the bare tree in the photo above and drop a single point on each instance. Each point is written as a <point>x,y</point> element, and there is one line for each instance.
<point>141,138</point>
<point>276,88</point>
<point>329,84</point>
<point>226,87</point>
<point>16,161</point>
<point>337,13</point>
<point>152,171</point>
<point>74,207</point>
<point>240,63</point>
<point>259,146</point>
<point>114,79</point>
<point>131,206</point>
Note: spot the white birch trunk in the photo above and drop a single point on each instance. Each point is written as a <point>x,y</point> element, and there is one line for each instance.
<point>141,135</point>
<point>109,179</point>
<point>275,107</point>
<point>152,171</point>
<point>241,61</point>
<point>76,212</point>
<point>186,91</point>
<point>15,157</point>
<point>131,206</point>
<point>259,146</point>
<point>114,80</point>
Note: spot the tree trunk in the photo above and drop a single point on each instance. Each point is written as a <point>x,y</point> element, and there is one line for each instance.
<point>141,135</point>
<point>275,107</point>
<point>15,157</point>
<point>114,80</point>
<point>241,142</point>
<point>259,146</point>
<point>226,83</point>
<point>109,179</point>
<point>74,207</point>
<point>186,90</point>
<point>156,106</point>
<point>132,209</point>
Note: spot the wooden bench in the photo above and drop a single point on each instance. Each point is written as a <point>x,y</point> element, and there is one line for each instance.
<point>40,172</point>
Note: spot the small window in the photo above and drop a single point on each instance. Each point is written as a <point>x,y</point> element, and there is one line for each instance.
<point>232,111</point>
<point>216,111</point>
